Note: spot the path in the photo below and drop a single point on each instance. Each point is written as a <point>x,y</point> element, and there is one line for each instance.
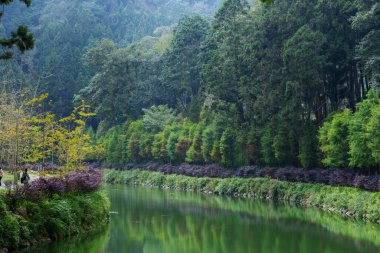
<point>33,176</point>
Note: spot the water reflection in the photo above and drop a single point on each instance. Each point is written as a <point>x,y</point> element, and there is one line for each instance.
<point>153,221</point>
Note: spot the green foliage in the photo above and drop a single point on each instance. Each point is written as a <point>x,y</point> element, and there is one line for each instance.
<point>360,139</point>
<point>157,118</point>
<point>21,38</point>
<point>113,146</point>
<point>215,152</point>
<point>334,140</point>
<point>352,139</point>
<point>194,154</point>
<point>281,145</point>
<point>172,146</point>
<point>308,155</point>
<point>267,152</point>
<point>159,151</point>
<point>303,65</point>
<point>66,30</point>
<point>227,148</point>
<point>373,130</point>
<point>134,148</point>
<point>208,138</point>
<point>253,146</point>
<point>366,21</point>
<point>183,61</point>
<point>181,147</point>
<point>146,142</point>
<point>52,219</point>
<point>272,82</point>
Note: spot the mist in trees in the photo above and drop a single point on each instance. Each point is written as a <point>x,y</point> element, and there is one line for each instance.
<point>235,82</point>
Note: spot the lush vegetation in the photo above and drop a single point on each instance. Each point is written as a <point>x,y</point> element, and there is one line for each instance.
<point>346,139</point>
<point>74,182</point>
<point>241,88</point>
<point>332,177</point>
<point>352,139</point>
<point>31,135</point>
<point>339,200</point>
<point>230,83</point>
<point>64,30</point>
<point>246,88</point>
<point>52,209</point>
<point>53,219</point>
<point>21,38</point>
<point>25,223</point>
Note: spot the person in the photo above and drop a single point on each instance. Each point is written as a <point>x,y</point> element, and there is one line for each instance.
<point>25,177</point>
<point>1,175</point>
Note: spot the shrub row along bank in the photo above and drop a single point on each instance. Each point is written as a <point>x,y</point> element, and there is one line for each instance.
<point>333,177</point>
<point>52,209</point>
<point>344,201</point>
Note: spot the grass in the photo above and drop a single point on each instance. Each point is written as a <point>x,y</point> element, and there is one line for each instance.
<point>344,201</point>
<point>25,223</point>
<point>7,176</point>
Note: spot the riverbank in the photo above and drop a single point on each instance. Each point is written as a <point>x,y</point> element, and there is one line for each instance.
<point>51,209</point>
<point>344,201</point>
<point>332,177</point>
<point>25,223</point>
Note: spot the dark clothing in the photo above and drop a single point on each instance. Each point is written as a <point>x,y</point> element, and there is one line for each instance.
<point>0,180</point>
<point>25,178</point>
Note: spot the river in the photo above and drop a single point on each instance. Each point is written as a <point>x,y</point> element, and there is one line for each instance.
<point>157,221</point>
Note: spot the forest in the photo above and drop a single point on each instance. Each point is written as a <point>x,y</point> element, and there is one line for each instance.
<point>292,83</point>
<point>289,83</point>
<point>107,108</point>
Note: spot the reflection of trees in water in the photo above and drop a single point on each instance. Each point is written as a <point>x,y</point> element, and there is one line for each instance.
<point>92,243</point>
<point>193,223</point>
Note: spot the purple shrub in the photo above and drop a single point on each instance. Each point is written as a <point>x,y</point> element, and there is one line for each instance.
<point>75,182</point>
<point>335,177</point>
<point>55,186</point>
<point>36,190</point>
<point>83,181</point>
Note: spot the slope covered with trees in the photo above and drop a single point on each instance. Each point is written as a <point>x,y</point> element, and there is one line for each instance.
<point>290,83</point>
<point>64,29</point>
<point>252,86</point>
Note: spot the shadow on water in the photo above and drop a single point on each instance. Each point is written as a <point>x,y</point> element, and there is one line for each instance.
<point>155,221</point>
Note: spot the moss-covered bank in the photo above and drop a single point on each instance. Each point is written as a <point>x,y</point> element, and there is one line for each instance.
<point>344,201</point>
<point>25,223</point>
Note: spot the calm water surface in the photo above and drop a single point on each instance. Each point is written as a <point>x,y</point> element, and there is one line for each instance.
<point>155,221</point>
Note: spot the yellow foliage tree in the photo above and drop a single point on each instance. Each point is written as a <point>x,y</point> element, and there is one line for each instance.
<point>29,135</point>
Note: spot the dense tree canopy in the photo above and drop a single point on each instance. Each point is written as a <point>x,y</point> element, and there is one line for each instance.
<point>64,30</point>
<point>281,84</point>
<point>274,81</point>
<point>21,38</point>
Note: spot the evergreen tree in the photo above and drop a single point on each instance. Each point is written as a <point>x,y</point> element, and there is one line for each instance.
<point>281,146</point>
<point>227,148</point>
<point>183,61</point>
<point>267,145</point>
<point>253,146</point>
<point>308,155</point>
<point>194,154</point>
<point>21,38</point>
<point>359,139</point>
<point>208,138</point>
<point>334,140</point>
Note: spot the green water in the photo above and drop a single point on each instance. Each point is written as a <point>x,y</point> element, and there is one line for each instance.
<point>155,221</point>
